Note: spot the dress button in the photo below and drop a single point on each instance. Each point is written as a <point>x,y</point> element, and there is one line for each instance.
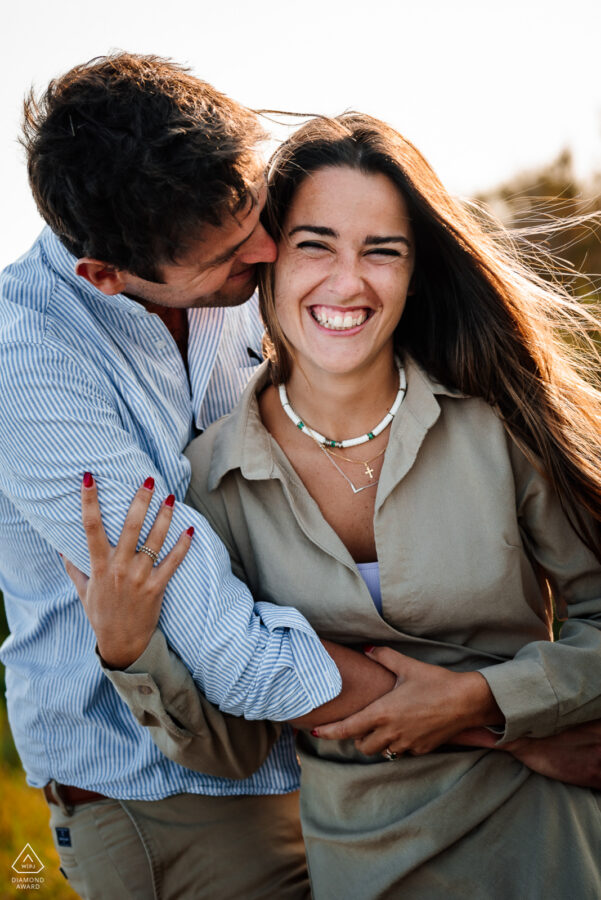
<point>145,689</point>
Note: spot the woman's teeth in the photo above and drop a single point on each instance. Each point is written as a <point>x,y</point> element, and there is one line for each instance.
<point>338,321</point>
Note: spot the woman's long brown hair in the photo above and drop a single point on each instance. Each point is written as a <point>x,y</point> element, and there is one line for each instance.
<point>478,319</point>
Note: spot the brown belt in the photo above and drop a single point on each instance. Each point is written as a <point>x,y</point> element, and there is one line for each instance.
<point>64,794</point>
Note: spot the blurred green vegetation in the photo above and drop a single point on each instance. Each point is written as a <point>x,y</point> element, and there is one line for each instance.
<point>551,207</point>
<point>534,202</point>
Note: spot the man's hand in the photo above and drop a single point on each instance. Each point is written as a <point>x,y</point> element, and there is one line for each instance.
<point>123,595</point>
<point>428,706</point>
<point>573,756</point>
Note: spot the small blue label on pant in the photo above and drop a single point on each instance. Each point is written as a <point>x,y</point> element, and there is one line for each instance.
<point>63,837</point>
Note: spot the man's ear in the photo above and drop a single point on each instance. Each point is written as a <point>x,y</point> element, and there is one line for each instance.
<point>102,276</point>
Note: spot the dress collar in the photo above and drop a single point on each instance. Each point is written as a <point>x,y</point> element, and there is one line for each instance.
<point>244,443</point>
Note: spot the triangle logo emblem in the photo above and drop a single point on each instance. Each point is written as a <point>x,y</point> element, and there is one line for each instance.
<point>27,862</point>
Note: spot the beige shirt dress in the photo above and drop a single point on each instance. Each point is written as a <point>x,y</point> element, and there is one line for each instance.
<point>474,554</point>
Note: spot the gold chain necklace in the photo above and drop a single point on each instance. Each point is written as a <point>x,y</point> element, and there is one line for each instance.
<point>361,462</point>
<point>353,487</point>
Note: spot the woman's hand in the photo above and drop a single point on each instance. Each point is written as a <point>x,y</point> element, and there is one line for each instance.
<point>122,597</point>
<point>428,707</point>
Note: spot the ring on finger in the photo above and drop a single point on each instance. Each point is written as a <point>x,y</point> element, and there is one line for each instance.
<point>390,755</point>
<point>149,552</point>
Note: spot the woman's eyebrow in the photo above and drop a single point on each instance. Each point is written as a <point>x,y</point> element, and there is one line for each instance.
<point>371,239</point>
<point>315,229</point>
<point>392,239</point>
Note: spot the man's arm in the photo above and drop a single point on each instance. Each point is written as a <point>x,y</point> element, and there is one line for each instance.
<point>262,662</point>
<point>572,756</point>
<point>175,707</point>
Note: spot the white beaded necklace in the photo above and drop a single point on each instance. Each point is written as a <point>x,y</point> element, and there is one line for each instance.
<point>350,442</point>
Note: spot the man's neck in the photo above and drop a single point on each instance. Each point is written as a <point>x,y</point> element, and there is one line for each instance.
<point>176,321</point>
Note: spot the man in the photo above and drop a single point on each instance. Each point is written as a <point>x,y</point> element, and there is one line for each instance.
<point>123,331</point>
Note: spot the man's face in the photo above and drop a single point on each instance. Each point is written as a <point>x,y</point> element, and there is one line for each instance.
<point>218,270</point>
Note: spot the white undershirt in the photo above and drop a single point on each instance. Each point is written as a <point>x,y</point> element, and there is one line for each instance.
<point>370,573</point>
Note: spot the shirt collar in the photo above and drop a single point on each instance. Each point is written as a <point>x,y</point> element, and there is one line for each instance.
<point>244,443</point>
<point>58,258</point>
<point>205,323</point>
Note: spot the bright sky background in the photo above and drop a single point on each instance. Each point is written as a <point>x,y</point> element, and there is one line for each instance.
<point>484,89</point>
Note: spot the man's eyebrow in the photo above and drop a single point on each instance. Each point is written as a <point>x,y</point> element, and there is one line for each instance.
<point>227,254</point>
<point>321,230</point>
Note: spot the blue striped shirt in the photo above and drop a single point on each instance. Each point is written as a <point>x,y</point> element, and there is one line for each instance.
<point>96,383</point>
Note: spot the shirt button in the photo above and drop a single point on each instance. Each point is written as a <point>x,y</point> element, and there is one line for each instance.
<point>145,689</point>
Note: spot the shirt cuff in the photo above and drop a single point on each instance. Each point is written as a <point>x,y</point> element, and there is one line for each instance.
<point>155,654</point>
<point>321,682</point>
<point>137,687</point>
<point>316,677</point>
<point>525,697</point>
<point>138,683</point>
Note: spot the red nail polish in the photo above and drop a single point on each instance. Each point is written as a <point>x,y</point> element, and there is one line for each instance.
<point>88,481</point>
<point>170,500</point>
<point>368,648</point>
<point>190,530</point>
<point>149,484</point>
<point>315,732</point>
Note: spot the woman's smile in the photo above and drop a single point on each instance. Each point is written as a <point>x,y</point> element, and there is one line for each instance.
<point>340,319</point>
<point>344,270</point>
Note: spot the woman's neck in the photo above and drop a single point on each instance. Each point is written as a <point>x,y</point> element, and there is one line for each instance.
<point>344,406</point>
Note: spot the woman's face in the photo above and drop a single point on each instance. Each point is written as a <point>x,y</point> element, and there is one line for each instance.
<point>343,270</point>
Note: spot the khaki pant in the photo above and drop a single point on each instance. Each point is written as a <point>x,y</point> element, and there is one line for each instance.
<point>187,847</point>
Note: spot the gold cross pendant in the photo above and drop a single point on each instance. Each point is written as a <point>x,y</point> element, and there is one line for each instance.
<point>368,470</point>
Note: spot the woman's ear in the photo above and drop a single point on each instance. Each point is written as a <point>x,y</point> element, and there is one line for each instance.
<point>102,276</point>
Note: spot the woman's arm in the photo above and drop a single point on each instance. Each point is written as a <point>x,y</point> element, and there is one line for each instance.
<point>122,599</point>
<point>573,756</point>
<point>189,730</point>
<point>548,687</point>
<point>162,696</point>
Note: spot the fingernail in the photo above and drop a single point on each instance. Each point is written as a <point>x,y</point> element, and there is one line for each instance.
<point>170,500</point>
<point>149,484</point>
<point>190,530</point>
<point>60,554</point>
<point>315,732</point>
<point>368,648</point>
<point>88,481</point>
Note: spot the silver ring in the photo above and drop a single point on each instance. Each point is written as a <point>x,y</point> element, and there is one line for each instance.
<point>149,552</point>
<point>390,755</point>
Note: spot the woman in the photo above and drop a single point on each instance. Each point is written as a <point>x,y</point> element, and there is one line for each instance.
<point>417,466</point>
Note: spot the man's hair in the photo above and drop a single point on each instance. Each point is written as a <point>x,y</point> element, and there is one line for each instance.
<point>130,156</point>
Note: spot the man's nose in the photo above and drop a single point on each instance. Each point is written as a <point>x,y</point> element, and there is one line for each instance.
<point>260,248</point>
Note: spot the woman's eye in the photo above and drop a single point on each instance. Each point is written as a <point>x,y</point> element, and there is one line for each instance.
<point>311,246</point>
<point>384,251</point>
